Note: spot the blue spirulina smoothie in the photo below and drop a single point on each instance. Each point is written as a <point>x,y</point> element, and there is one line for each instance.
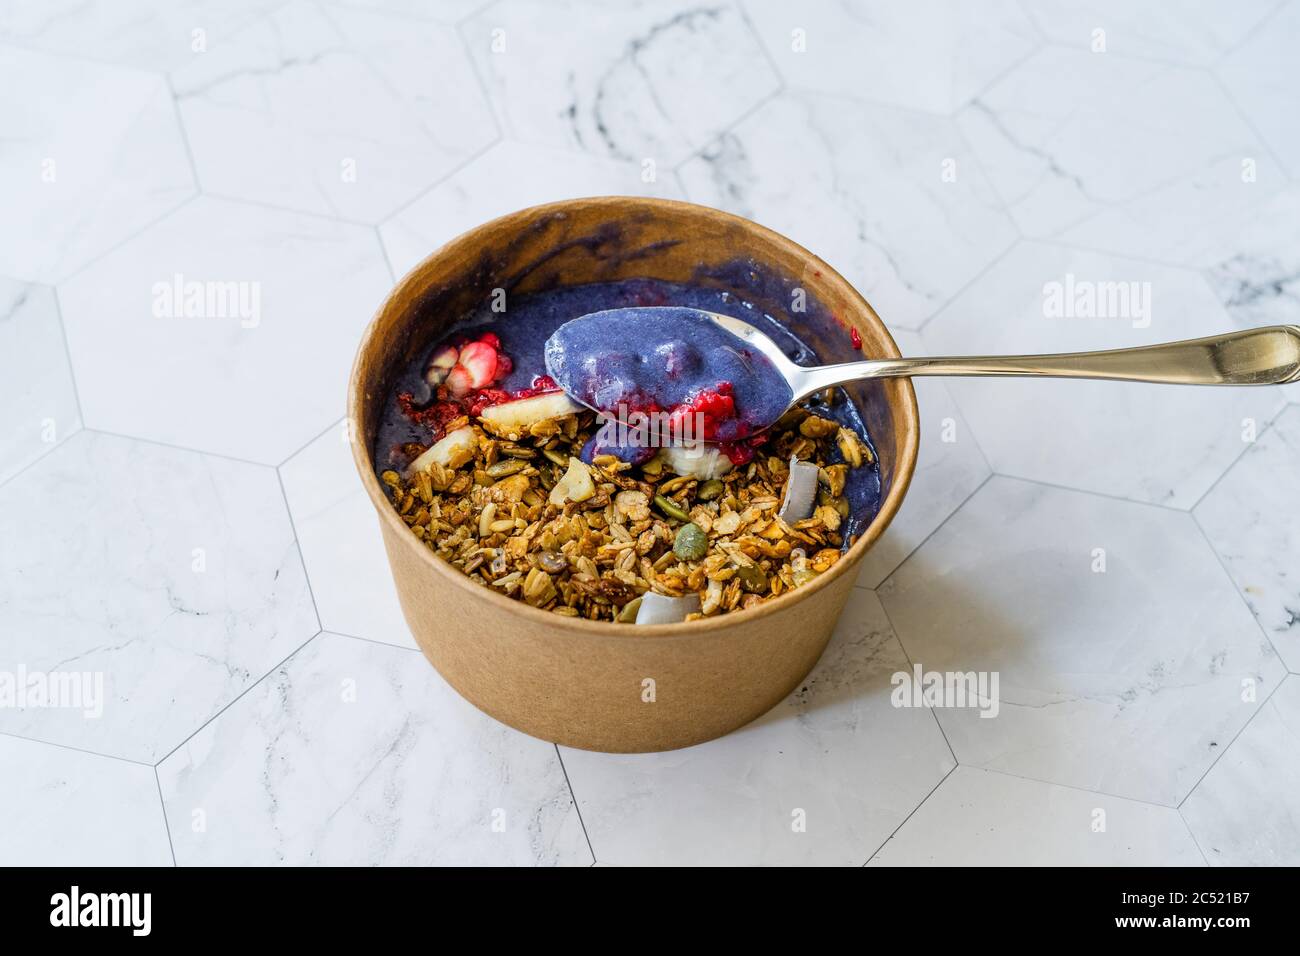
<point>628,364</point>
<point>663,359</point>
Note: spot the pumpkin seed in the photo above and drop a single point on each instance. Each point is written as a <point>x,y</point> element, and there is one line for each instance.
<point>691,543</point>
<point>670,509</point>
<point>710,490</point>
<point>506,467</point>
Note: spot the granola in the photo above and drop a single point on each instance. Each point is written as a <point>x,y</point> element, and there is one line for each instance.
<point>517,510</point>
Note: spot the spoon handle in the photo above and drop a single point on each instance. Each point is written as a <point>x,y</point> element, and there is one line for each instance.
<point>1267,356</point>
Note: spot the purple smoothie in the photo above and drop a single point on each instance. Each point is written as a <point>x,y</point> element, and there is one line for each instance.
<point>530,320</point>
<point>668,359</point>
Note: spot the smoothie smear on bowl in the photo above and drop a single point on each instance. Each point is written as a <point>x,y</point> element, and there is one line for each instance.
<point>638,466</point>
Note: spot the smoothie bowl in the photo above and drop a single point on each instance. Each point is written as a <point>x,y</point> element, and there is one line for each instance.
<point>534,547</point>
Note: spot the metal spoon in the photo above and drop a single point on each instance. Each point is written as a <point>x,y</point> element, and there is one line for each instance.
<point>1265,356</point>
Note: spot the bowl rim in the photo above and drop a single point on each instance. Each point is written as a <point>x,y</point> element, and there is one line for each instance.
<point>581,628</point>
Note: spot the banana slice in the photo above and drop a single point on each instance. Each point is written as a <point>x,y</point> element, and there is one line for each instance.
<point>515,418</point>
<point>576,485</point>
<point>697,460</point>
<point>451,451</point>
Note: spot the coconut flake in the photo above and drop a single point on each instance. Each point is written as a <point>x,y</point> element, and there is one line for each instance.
<point>800,492</point>
<point>660,609</point>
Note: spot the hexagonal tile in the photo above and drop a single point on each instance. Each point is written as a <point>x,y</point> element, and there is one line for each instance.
<point>1196,32</point>
<point>933,55</point>
<point>338,533</point>
<point>894,200</point>
<point>981,818</point>
<point>66,808</point>
<point>822,778</point>
<point>92,154</point>
<point>1069,133</point>
<point>1262,74</point>
<point>250,357</point>
<point>949,468</point>
<point>1124,657</point>
<point>335,111</point>
<point>628,84</point>
<point>1252,518</point>
<point>507,177</point>
<point>1163,444</point>
<point>1244,812</point>
<point>38,402</point>
<point>170,576</point>
<point>141,33</point>
<point>354,753</point>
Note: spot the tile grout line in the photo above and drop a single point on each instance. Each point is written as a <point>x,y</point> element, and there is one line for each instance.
<point>158,443</point>
<point>67,356</point>
<point>297,544</point>
<point>1241,595</point>
<point>167,827</point>
<point>1173,509</point>
<point>1246,449</point>
<point>1214,763</point>
<point>966,287</point>
<point>574,797</point>
<point>933,710</point>
<point>79,750</point>
<point>237,698</point>
<point>180,126</point>
<point>311,441</point>
<point>1261,140</point>
<point>782,80</point>
<point>371,640</point>
<point>903,822</point>
<point>136,234</point>
<point>1191,833</point>
<point>987,478</point>
<point>451,173</point>
<point>498,121</point>
<point>41,456</point>
<point>727,130</point>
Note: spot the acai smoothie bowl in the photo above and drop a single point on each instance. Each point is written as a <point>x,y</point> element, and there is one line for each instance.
<point>640,580</point>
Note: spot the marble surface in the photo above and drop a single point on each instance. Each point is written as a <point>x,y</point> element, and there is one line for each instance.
<point>1123,651</point>
<point>335,111</point>
<point>340,542</point>
<point>872,196</point>
<point>172,575</point>
<point>354,753</point>
<point>38,399</point>
<point>979,818</point>
<point>69,808</point>
<point>256,375</point>
<point>822,778</point>
<point>1158,444</point>
<point>181,521</point>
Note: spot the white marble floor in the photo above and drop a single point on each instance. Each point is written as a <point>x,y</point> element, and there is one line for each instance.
<point>182,533</point>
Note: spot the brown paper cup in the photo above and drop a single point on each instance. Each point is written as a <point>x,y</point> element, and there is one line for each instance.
<point>600,686</point>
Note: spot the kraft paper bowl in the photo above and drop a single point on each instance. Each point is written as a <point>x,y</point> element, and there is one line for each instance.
<point>601,686</point>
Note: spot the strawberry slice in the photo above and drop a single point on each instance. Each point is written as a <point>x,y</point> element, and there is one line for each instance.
<point>479,360</point>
